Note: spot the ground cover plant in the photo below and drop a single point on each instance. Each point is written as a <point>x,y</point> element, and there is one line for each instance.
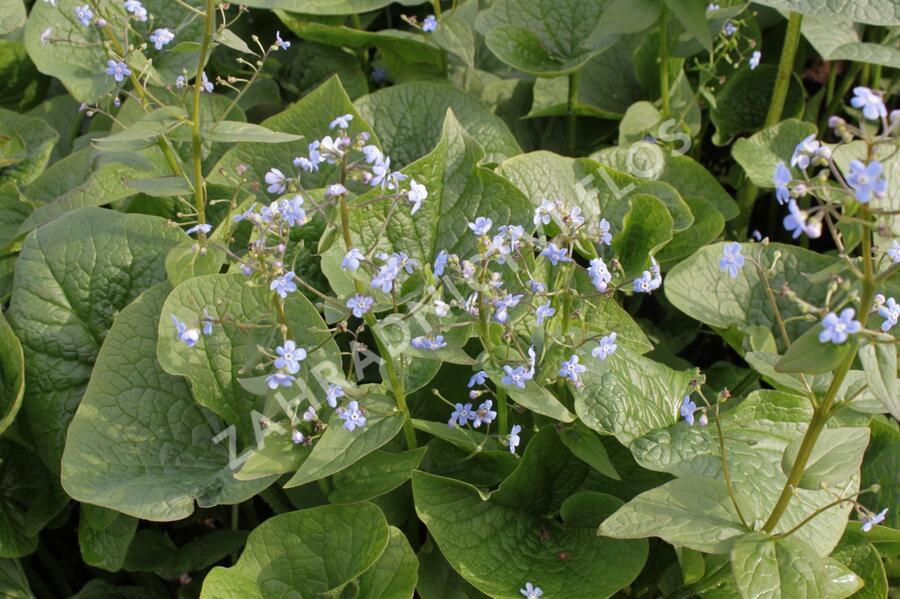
<point>452,299</point>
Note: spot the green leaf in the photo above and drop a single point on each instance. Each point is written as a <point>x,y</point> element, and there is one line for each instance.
<point>761,152</point>
<point>154,551</point>
<point>692,15</point>
<point>743,101</point>
<point>708,225</point>
<point>874,12</point>
<point>146,130</point>
<point>188,260</point>
<point>534,397</point>
<point>542,37</point>
<point>235,131</point>
<point>77,55</point>
<point>125,450</point>
<point>394,575</point>
<point>835,458</point>
<point>646,229</point>
<point>588,447</point>
<point>837,39</point>
<point>757,432</point>
<point>879,363</point>
<point>408,119</point>
<point>808,354</point>
<point>787,568</point>
<point>29,499</point>
<point>12,375</point>
<point>700,289</point>
<point>437,580</point>
<point>457,36</point>
<point>161,187</point>
<point>881,466</point>
<point>339,448</point>
<point>72,278</point>
<point>329,7</point>
<point>465,439</point>
<point>13,581</point>
<point>25,147</point>
<point>307,553</point>
<point>12,16</point>
<point>310,118</point>
<point>104,536</point>
<point>497,546</point>
<point>215,364</point>
<point>862,558</point>
<point>628,395</point>
<point>376,474</point>
<point>692,512</point>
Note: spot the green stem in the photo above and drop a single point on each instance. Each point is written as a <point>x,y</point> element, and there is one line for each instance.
<point>196,138</point>
<point>832,82</point>
<point>823,412</point>
<point>396,382</point>
<point>572,119</point>
<point>277,500</point>
<point>747,194</point>
<point>664,61</point>
<point>436,5</point>
<point>502,416</point>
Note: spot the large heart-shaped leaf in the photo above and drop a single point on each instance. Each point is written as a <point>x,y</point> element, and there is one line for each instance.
<point>544,37</point>
<point>304,554</point>
<point>139,444</point>
<point>72,278</point>
<point>25,147</point>
<point>496,541</point>
<point>408,119</point>
<point>761,152</point>
<point>874,12</point>
<point>836,39</point>
<point>12,374</point>
<point>104,536</point>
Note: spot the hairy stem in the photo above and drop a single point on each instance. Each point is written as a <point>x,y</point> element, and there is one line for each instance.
<point>664,60</point>
<point>571,118</point>
<point>196,139</point>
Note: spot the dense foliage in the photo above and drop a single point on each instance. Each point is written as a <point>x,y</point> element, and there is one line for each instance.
<point>471,298</point>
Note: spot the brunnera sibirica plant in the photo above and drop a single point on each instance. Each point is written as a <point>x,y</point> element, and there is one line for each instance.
<point>449,299</point>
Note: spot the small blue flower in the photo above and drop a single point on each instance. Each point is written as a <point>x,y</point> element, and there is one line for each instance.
<point>530,591</point>
<point>334,190</point>
<point>836,329</point>
<point>353,416</point>
<point>481,225</point>
<point>797,223</point>
<point>440,263</point>
<point>605,347</point>
<point>161,38</point>
<point>284,284</point>
<point>297,437</point>
<point>893,252</point>
<point>429,24</point>
<point>84,14</point>
<point>754,59</point>
<point>503,304</point>
<point>429,343</point>
<point>871,519</point>
<point>332,394</point>
<point>280,43</point>
<point>781,179</point>
<point>536,287</point>
<point>605,235</point>
<point>289,357</point>
<point>484,414</point>
<point>731,259</point>
<point>599,274</point>
<point>543,312</point>
<point>279,379</point>
<point>712,7</point>
<point>188,336</point>
<point>276,181</point>
<point>650,280</point>
<point>477,379</point>
<point>871,103</point>
<point>687,409</point>
<point>729,28</point>
<point>180,81</point>
<point>806,149</point>
<point>384,279</point>
<point>119,70</point>
<point>205,84</point>
<point>292,211</point>
<point>461,415</point>
<point>204,228</point>
<point>352,259</point>
<point>342,121</point>
<point>416,195</point>
<point>866,180</point>
<point>543,214</point>
<point>555,254</point>
<point>310,415</point>
<point>890,311</point>
<point>207,322</point>
<point>515,376</point>
<point>571,369</point>
<point>514,440</point>
<point>360,304</point>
